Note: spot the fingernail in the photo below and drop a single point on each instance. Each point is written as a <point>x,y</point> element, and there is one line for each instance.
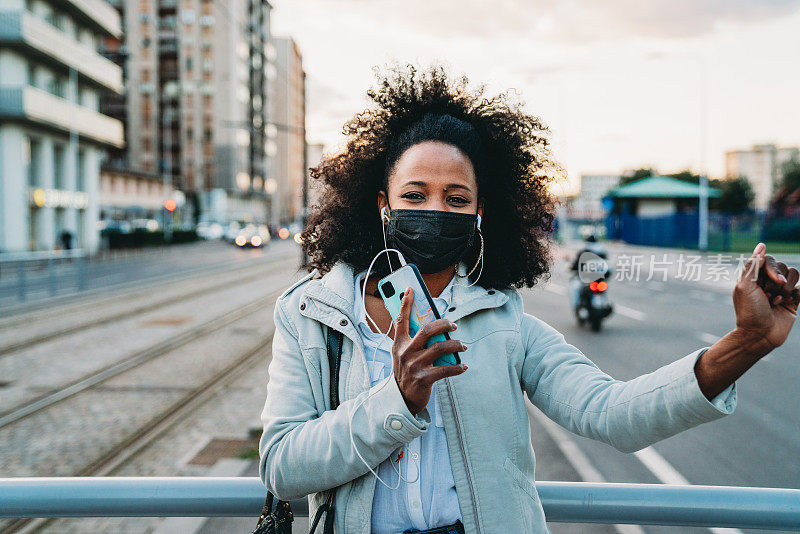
<point>777,300</point>
<point>453,325</point>
<point>464,366</point>
<point>782,278</point>
<point>463,347</point>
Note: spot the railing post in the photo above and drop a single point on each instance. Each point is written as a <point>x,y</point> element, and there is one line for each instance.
<point>21,282</point>
<point>80,266</point>
<point>51,276</point>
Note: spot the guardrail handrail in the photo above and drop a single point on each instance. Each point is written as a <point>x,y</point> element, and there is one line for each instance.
<point>572,502</point>
<point>39,255</point>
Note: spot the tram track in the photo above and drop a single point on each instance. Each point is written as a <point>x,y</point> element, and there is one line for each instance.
<point>146,434</point>
<point>115,369</point>
<point>237,277</point>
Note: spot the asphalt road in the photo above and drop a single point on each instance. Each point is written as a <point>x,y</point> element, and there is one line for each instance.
<point>656,323</point>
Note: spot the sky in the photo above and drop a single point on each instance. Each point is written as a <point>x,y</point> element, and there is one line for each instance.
<point>623,84</point>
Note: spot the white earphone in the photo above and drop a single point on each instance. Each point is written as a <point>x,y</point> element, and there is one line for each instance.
<point>384,216</point>
<point>479,221</point>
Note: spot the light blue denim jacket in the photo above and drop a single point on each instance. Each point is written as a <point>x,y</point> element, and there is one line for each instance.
<point>306,448</point>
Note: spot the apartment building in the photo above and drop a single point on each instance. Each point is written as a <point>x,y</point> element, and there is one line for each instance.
<point>287,131</point>
<point>52,134</point>
<point>762,165</point>
<point>195,106</point>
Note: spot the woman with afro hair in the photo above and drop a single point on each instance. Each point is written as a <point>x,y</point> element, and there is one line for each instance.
<point>457,182</point>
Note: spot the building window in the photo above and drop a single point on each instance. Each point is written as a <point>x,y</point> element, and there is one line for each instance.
<point>58,87</point>
<point>34,216</point>
<point>59,159</point>
<point>35,163</point>
<point>80,171</point>
<point>61,223</point>
<point>31,74</point>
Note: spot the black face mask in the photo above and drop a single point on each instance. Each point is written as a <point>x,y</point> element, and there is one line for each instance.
<point>432,240</point>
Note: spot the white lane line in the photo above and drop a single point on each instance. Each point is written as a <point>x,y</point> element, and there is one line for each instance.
<point>662,469</point>
<point>569,448</point>
<point>708,338</point>
<point>629,312</point>
<point>555,288</point>
<point>667,474</point>
<point>649,457</point>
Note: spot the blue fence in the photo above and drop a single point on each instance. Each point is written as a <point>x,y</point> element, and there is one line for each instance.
<point>726,232</point>
<point>676,230</point>
<point>572,502</point>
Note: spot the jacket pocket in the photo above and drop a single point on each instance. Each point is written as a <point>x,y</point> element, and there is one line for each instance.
<point>521,480</point>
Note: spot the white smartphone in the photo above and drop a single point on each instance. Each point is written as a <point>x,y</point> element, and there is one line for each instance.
<point>423,310</point>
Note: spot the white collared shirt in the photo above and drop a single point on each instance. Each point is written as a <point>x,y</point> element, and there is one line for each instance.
<point>429,499</point>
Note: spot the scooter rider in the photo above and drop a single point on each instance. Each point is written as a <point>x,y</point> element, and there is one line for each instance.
<point>592,250</point>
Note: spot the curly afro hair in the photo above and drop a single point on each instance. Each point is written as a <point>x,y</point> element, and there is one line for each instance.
<point>514,167</point>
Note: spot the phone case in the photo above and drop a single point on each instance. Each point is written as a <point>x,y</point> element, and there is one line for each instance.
<point>423,311</point>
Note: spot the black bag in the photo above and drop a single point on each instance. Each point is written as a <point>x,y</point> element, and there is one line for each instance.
<point>280,520</point>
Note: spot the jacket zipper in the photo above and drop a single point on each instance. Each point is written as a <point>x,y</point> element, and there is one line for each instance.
<point>463,455</point>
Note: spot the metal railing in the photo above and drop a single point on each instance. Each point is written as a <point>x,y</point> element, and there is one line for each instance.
<point>49,270</point>
<point>572,502</point>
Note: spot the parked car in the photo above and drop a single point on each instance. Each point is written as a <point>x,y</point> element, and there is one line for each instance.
<point>253,236</point>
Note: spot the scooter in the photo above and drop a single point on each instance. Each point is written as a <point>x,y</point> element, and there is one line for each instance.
<point>593,304</point>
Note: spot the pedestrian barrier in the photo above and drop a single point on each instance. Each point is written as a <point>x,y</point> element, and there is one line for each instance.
<point>54,269</point>
<point>572,502</point>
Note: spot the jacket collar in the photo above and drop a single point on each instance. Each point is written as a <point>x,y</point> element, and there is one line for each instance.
<point>336,290</point>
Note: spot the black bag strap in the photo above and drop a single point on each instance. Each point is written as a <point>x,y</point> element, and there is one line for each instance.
<point>334,342</point>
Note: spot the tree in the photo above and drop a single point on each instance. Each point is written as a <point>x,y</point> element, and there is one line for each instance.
<point>791,174</point>
<point>637,174</point>
<point>736,195</point>
<point>686,176</point>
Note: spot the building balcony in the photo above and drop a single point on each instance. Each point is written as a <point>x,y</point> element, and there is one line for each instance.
<point>38,38</point>
<point>32,105</point>
<point>97,13</point>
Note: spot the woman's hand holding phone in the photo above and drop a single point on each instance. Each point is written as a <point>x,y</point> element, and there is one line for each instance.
<point>413,362</point>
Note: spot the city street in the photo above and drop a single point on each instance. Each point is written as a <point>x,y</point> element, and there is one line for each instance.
<point>654,323</point>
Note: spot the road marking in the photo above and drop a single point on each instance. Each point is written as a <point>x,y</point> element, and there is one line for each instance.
<point>708,338</point>
<point>667,474</point>
<point>555,288</point>
<point>629,312</point>
<point>579,461</point>
<point>649,457</point>
<point>662,469</point>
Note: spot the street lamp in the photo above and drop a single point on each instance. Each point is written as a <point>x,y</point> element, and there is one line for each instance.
<point>702,239</point>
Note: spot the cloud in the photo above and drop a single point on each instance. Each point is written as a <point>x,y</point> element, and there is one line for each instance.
<point>569,20</point>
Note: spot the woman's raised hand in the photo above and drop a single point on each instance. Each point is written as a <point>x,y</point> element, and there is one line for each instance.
<point>413,362</point>
<point>765,298</point>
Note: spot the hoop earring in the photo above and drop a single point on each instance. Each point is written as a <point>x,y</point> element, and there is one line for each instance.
<point>480,259</point>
